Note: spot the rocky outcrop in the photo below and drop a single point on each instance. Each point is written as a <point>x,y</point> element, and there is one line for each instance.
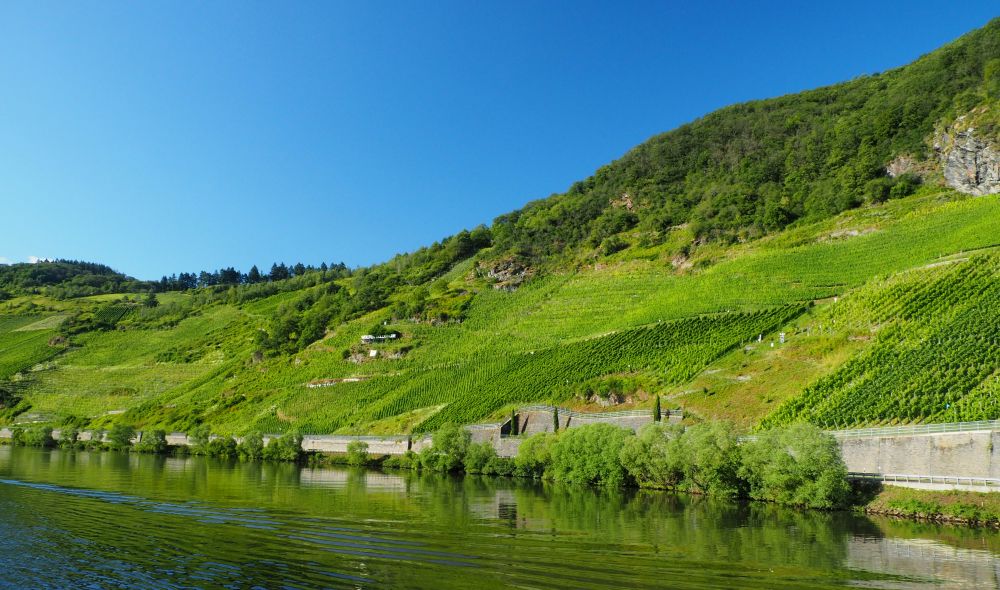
<point>904,164</point>
<point>970,163</point>
<point>508,274</point>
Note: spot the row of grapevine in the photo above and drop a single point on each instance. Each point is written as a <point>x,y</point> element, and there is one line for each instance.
<point>931,361</point>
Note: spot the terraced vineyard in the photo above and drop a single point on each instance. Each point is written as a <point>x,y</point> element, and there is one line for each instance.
<point>935,356</point>
<point>473,390</point>
<point>22,349</point>
<point>915,323</point>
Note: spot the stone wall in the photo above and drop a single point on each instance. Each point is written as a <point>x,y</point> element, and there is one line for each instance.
<point>539,419</point>
<point>954,454</point>
<point>338,444</point>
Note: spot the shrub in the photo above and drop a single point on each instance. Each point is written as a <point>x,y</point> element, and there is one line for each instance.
<point>654,458</point>
<point>590,454</point>
<point>38,436</point>
<point>478,456</point>
<point>120,437</point>
<point>287,447</point>
<point>357,452</point>
<point>223,446</point>
<point>252,447</point>
<point>534,455</point>
<point>798,465</point>
<point>499,466</point>
<point>199,439</point>
<point>69,437</point>
<point>96,440</point>
<point>712,459</point>
<point>447,450</point>
<point>152,442</point>
<point>17,436</point>
<point>407,460</point>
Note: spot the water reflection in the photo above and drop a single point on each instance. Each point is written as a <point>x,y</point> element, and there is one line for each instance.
<point>106,519</point>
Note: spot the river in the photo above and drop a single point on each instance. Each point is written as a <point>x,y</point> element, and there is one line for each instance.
<point>109,520</point>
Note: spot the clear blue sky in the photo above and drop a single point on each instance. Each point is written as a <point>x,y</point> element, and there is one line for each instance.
<point>161,137</point>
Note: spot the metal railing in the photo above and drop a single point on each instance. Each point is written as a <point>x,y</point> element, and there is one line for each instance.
<point>917,429</point>
<point>598,415</point>
<point>929,479</point>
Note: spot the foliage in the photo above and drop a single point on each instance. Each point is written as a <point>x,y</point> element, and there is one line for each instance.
<point>449,446</point>
<point>65,278</point>
<point>712,459</point>
<point>287,447</point>
<point>199,438</point>
<point>590,454</point>
<point>357,452</point>
<point>408,460</point>
<point>251,448</point>
<point>478,457</point>
<point>69,437</point>
<point>38,436</point>
<point>759,166</point>
<point>534,456</point>
<point>655,457</point>
<point>120,437</point>
<point>224,447</point>
<point>154,442</point>
<point>798,465</point>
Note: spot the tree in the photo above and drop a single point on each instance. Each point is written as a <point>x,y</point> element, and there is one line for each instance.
<point>120,437</point>
<point>279,272</point>
<point>287,447</point>
<point>712,459</point>
<point>655,458</point>
<point>590,454</point>
<point>150,301</point>
<point>448,448</point>
<point>299,269</point>
<point>357,452</point>
<point>657,416</point>
<point>153,442</point>
<point>799,465</point>
<point>199,438</point>
<point>534,456</point>
<point>252,447</point>
<point>253,277</point>
<point>38,436</point>
<point>229,276</point>
<point>478,456</point>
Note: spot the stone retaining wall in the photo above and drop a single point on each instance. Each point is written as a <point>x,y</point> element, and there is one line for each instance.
<point>955,454</point>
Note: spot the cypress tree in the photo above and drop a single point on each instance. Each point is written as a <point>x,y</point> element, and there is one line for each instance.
<point>555,419</point>
<point>656,409</point>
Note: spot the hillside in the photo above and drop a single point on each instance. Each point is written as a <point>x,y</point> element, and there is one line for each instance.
<point>839,217</point>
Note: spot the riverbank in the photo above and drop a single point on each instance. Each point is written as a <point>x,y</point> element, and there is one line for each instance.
<point>947,506</point>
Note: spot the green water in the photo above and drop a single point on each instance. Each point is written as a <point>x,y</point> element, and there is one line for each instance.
<point>107,520</point>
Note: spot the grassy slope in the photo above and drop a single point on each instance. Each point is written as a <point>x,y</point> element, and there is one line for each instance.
<point>635,315</point>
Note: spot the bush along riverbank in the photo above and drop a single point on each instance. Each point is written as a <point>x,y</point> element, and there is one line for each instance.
<point>287,447</point>
<point>798,465</point>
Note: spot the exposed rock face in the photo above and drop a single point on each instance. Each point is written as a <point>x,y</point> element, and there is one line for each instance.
<point>970,163</point>
<point>509,274</point>
<point>901,165</point>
